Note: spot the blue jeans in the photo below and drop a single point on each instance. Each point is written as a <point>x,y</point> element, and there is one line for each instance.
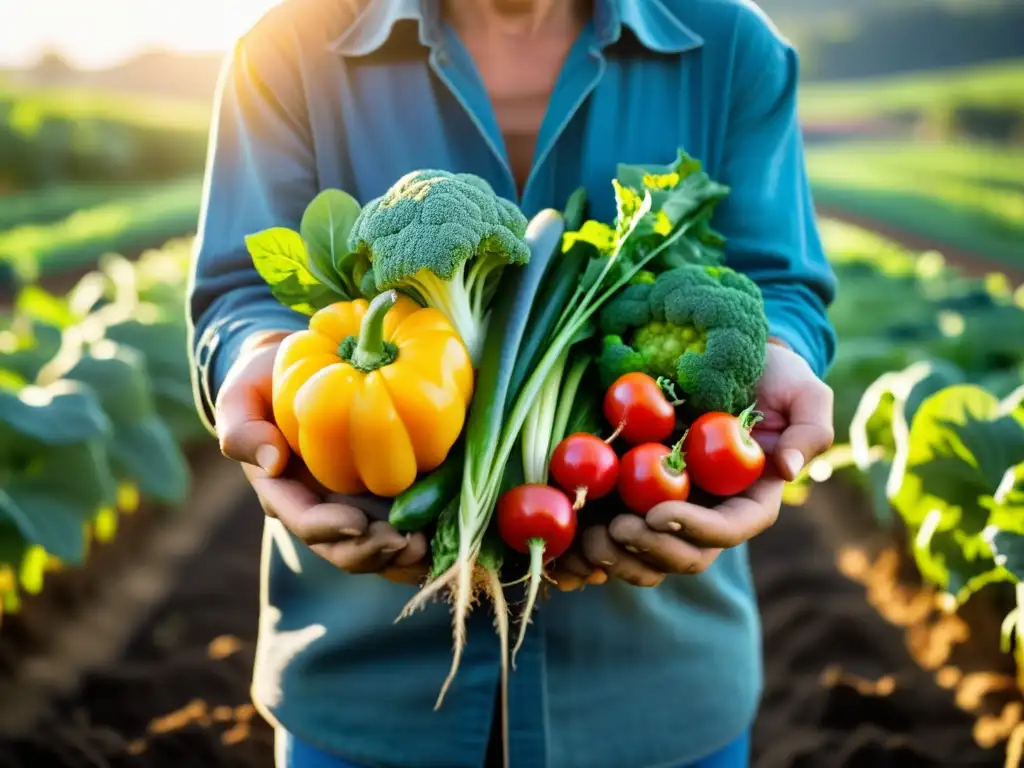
<point>292,753</point>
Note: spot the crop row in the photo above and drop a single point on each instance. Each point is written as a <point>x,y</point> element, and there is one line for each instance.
<point>929,384</point>
<point>95,411</point>
<point>988,86</point>
<point>145,217</point>
<point>52,136</point>
<point>966,197</point>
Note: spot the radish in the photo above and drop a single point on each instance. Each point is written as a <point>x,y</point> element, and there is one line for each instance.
<point>586,465</point>
<point>539,521</point>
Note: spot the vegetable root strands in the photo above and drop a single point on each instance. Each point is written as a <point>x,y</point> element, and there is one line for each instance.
<point>539,521</point>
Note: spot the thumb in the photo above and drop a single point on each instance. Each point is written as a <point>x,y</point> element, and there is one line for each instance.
<point>244,422</point>
<point>809,432</point>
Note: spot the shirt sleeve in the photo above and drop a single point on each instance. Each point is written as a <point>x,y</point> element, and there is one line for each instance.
<point>260,173</point>
<point>768,219</point>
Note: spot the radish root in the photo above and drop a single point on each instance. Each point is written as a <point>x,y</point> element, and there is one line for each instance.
<point>429,591</point>
<point>581,498</point>
<point>463,596</point>
<point>493,588</point>
<point>536,576</point>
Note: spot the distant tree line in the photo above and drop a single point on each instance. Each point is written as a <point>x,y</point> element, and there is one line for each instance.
<point>849,39</point>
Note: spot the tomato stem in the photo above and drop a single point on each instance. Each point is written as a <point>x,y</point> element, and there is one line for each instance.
<point>749,417</point>
<point>370,351</point>
<point>536,573</point>
<point>614,435</point>
<point>676,460</point>
<point>669,388</point>
<point>581,498</point>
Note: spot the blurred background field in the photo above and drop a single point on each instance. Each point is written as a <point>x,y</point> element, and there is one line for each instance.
<point>129,594</point>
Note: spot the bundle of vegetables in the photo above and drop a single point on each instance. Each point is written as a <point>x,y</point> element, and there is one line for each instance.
<point>474,430</point>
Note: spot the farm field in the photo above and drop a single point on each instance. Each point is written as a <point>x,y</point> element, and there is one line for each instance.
<point>963,197</point>
<point>933,158</point>
<point>995,85</point>
<point>875,672</point>
<point>890,589</point>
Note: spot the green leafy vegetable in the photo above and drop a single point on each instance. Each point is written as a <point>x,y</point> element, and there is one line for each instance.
<point>446,238</point>
<point>281,259</point>
<point>325,228</point>
<point>703,328</point>
<point>142,448</point>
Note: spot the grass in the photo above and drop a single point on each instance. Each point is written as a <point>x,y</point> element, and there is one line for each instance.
<point>128,224</point>
<point>993,86</point>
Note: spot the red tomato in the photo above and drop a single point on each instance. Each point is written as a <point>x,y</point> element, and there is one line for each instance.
<point>650,474</point>
<point>637,404</point>
<point>586,465</point>
<point>536,517</point>
<point>721,456</point>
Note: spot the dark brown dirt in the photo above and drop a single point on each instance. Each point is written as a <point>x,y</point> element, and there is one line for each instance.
<point>842,688</point>
<point>179,696</point>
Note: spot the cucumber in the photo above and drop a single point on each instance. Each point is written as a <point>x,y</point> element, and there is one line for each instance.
<point>576,210</point>
<point>422,503</point>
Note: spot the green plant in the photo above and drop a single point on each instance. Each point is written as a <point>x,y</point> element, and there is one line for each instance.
<point>701,327</point>
<point>95,408</point>
<point>446,238</point>
<point>136,222</point>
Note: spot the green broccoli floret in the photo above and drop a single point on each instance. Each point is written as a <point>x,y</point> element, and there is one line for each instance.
<point>618,359</point>
<point>445,238</point>
<point>703,327</point>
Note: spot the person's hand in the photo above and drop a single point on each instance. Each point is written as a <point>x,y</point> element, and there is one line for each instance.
<point>796,410</point>
<point>351,533</point>
<point>685,538</point>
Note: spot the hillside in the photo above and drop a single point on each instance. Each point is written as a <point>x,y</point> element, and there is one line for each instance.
<point>840,40</point>
<point>155,73</point>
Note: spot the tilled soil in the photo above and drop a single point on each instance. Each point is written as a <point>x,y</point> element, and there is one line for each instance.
<point>842,688</point>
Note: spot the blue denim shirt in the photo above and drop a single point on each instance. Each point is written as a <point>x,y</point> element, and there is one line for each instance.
<point>351,94</point>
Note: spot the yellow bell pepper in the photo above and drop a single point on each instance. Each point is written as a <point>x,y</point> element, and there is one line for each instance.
<point>372,394</point>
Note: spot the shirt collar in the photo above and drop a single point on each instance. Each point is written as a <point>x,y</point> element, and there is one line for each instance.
<point>656,26</point>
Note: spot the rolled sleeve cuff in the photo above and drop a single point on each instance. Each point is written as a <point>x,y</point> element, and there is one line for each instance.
<point>804,328</point>
<point>218,346</point>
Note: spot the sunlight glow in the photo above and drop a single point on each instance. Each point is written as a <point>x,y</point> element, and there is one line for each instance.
<point>98,33</point>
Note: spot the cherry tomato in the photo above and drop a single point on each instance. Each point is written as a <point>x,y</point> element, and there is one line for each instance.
<point>536,517</point>
<point>537,520</point>
<point>722,457</point>
<point>637,404</point>
<point>650,474</point>
<point>586,465</point>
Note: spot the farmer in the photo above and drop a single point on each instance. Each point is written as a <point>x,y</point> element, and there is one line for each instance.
<point>657,662</point>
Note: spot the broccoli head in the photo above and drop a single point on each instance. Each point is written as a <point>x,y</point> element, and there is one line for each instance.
<point>702,327</point>
<point>445,238</point>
